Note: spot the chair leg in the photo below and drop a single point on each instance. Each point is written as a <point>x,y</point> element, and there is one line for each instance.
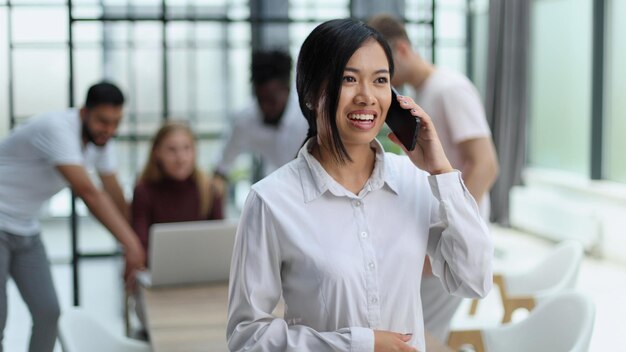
<point>473,307</point>
<point>456,339</point>
<point>508,312</point>
<point>511,304</point>
<point>127,314</point>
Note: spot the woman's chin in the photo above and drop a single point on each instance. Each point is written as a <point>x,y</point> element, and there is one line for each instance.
<point>179,176</point>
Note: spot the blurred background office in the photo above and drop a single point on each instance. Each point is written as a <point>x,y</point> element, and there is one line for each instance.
<point>550,73</point>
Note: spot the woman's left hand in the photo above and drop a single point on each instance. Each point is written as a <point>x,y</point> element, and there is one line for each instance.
<point>428,154</point>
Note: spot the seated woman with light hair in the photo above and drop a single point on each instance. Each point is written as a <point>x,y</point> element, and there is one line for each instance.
<point>171,187</point>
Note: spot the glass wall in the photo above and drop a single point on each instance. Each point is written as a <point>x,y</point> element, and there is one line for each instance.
<point>307,14</point>
<point>480,44</point>
<point>450,30</point>
<point>420,11</point>
<point>615,88</point>
<point>193,67</point>
<point>560,85</point>
<point>4,71</point>
<point>40,59</point>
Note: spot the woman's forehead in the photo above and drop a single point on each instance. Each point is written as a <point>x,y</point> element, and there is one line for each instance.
<point>369,56</point>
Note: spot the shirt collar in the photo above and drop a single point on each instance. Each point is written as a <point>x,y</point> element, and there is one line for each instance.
<point>316,181</point>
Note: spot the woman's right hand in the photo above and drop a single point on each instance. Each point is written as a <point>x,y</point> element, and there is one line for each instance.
<point>388,341</point>
<point>428,154</point>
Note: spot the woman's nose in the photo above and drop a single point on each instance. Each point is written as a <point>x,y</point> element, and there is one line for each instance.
<point>364,96</point>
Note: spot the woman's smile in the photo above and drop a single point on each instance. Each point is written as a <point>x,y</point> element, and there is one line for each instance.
<point>363,119</point>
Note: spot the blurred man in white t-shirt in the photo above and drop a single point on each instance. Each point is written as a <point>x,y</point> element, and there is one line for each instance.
<point>38,159</point>
<point>459,117</point>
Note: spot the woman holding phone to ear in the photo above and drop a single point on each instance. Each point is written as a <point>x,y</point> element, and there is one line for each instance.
<point>341,232</point>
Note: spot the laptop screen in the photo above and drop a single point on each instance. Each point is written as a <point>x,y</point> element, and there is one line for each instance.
<point>191,252</point>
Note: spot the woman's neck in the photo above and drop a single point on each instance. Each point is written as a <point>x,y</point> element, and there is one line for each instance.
<point>353,174</point>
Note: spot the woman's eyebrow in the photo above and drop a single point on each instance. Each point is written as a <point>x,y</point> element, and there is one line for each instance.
<point>356,70</point>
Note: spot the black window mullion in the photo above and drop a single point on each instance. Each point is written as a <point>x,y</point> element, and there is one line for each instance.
<point>597,89</point>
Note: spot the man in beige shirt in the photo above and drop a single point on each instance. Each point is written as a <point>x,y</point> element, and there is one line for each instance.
<point>459,118</point>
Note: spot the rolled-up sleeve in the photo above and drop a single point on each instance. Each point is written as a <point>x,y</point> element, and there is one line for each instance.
<point>459,245</point>
<point>255,289</point>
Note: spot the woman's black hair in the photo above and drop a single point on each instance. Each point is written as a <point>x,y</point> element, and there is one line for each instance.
<point>320,68</point>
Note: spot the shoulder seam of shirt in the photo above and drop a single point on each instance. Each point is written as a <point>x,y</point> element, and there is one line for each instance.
<point>270,220</point>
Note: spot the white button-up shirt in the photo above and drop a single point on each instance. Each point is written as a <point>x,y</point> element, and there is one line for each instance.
<point>349,264</point>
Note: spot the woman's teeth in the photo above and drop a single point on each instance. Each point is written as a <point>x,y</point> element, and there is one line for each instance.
<point>361,117</point>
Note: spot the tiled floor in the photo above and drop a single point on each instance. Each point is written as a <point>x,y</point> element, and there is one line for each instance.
<point>101,290</point>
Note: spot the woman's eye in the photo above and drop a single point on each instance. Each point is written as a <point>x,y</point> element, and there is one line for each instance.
<point>349,79</point>
<point>382,80</point>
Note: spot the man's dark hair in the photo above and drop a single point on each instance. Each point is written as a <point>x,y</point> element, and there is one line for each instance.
<point>269,65</point>
<point>104,93</point>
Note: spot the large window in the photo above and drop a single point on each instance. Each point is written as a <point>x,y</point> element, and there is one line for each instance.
<point>450,30</point>
<point>480,45</point>
<point>194,66</point>
<point>307,14</point>
<point>615,86</point>
<point>39,57</point>
<point>4,70</point>
<point>186,60</point>
<point>560,87</point>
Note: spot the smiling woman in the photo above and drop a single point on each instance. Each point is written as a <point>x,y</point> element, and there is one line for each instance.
<point>344,239</point>
<point>320,88</point>
<point>171,187</point>
<point>365,97</point>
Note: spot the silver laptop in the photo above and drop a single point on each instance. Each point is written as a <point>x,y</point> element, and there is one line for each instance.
<point>193,252</point>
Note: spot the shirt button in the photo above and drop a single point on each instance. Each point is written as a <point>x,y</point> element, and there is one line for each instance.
<point>357,203</point>
<point>371,265</point>
<point>363,234</point>
<point>374,300</point>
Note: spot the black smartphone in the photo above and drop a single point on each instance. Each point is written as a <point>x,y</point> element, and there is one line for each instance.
<point>404,125</point>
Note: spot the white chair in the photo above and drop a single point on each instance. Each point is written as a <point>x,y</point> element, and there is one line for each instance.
<point>556,272</point>
<point>79,332</point>
<point>562,322</point>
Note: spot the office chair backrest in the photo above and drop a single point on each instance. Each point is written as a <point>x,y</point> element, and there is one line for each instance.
<point>562,322</point>
<point>557,271</point>
<point>80,332</point>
